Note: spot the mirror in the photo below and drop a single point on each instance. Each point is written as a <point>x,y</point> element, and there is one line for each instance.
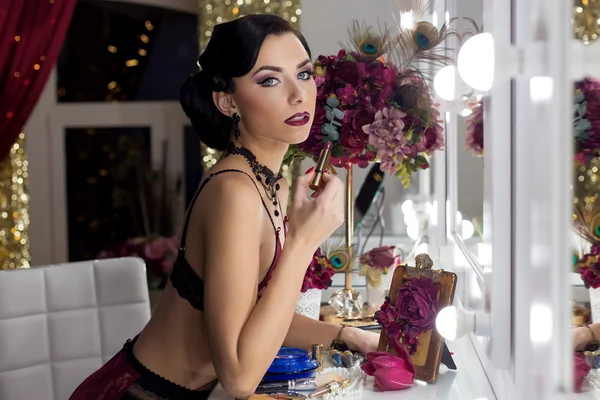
<point>469,171</point>
<point>466,148</point>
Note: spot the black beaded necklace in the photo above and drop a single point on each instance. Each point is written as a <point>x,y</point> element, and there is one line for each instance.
<point>269,183</point>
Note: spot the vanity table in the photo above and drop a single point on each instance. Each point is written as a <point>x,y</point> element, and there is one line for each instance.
<point>469,382</point>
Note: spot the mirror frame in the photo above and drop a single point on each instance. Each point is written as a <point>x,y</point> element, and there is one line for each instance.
<point>495,283</point>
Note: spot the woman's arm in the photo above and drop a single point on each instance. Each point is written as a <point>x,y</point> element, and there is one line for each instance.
<point>305,331</point>
<point>244,335</point>
<point>582,336</point>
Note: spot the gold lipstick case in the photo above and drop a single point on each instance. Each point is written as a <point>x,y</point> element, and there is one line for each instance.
<point>322,165</point>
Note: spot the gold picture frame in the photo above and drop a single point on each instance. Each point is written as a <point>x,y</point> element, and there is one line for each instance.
<point>428,357</point>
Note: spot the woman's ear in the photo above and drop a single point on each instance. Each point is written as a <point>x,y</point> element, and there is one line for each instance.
<point>224,103</point>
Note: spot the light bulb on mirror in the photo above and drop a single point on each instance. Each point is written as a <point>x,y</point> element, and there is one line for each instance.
<point>454,322</point>
<point>467,229</point>
<point>407,207</point>
<point>448,85</point>
<point>466,112</point>
<point>412,231</point>
<point>482,62</point>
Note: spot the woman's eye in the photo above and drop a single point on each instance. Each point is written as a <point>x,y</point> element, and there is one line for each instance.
<point>305,75</point>
<point>269,82</point>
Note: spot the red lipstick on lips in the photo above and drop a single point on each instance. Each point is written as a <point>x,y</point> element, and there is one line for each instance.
<point>298,119</point>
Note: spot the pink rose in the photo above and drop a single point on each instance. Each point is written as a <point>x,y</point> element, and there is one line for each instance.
<point>381,258</point>
<point>417,303</point>
<point>361,117</point>
<point>347,72</point>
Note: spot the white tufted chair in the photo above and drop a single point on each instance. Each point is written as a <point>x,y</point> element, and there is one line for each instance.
<point>60,323</point>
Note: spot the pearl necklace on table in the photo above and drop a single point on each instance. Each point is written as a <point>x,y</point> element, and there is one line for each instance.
<point>354,389</point>
<point>593,379</point>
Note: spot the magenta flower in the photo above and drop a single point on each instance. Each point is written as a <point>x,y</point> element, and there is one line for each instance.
<point>586,119</point>
<point>391,372</point>
<point>381,258</point>
<point>387,318</point>
<point>589,268</point>
<point>417,304</point>
<point>319,273</point>
<point>474,133</point>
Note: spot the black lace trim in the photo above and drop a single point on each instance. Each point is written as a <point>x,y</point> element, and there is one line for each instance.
<point>188,284</point>
<point>158,386</point>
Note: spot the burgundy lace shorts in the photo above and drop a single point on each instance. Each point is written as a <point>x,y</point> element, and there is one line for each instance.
<point>124,377</point>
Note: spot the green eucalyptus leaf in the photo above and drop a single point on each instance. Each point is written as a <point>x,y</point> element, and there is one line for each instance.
<point>329,114</point>
<point>328,130</point>
<point>339,114</point>
<point>333,102</point>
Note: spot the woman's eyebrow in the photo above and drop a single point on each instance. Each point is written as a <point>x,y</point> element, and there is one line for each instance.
<point>279,69</point>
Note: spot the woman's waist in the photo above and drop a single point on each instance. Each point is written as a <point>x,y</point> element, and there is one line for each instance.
<point>172,363</point>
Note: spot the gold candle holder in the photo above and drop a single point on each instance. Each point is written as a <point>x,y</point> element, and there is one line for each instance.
<point>348,302</point>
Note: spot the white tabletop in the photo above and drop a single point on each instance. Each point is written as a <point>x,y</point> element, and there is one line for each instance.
<point>469,382</point>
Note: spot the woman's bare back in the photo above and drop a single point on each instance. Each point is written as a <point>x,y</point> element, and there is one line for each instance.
<point>174,343</point>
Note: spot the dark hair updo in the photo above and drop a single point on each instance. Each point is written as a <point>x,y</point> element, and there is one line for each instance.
<point>231,52</point>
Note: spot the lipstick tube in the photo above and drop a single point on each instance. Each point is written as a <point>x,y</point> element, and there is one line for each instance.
<point>317,354</point>
<point>332,387</point>
<point>322,165</point>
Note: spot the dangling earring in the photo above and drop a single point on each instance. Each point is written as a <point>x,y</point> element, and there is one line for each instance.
<point>236,125</point>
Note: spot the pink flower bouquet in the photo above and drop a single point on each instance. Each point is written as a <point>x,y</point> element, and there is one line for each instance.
<point>589,268</point>
<point>373,110</point>
<point>586,120</point>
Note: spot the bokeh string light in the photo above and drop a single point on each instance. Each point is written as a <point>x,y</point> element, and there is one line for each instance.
<point>14,208</point>
<point>586,19</point>
<point>213,12</point>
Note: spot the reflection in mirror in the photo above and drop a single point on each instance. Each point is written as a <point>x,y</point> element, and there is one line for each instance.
<point>586,211</point>
<point>466,145</point>
<point>469,216</point>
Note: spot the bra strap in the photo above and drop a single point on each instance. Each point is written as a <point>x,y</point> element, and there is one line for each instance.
<point>188,214</point>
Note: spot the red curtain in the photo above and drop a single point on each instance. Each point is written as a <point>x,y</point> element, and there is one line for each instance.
<point>31,36</point>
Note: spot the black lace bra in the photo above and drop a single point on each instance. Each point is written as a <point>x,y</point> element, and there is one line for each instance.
<point>186,281</point>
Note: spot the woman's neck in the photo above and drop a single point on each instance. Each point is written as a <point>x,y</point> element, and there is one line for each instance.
<point>268,152</point>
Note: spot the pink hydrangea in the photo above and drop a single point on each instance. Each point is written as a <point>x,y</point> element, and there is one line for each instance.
<point>386,134</point>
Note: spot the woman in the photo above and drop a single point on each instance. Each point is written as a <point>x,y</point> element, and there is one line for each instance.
<point>230,304</point>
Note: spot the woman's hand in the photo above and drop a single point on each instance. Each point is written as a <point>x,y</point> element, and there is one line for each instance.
<point>313,219</point>
<point>360,339</point>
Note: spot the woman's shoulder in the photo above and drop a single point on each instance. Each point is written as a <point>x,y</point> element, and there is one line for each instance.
<point>229,183</point>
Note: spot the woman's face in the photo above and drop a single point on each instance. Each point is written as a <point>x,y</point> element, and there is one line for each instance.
<point>276,99</point>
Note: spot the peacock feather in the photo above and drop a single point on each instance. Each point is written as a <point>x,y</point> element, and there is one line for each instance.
<point>419,44</point>
<point>586,204</point>
<point>365,44</point>
<point>337,252</point>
